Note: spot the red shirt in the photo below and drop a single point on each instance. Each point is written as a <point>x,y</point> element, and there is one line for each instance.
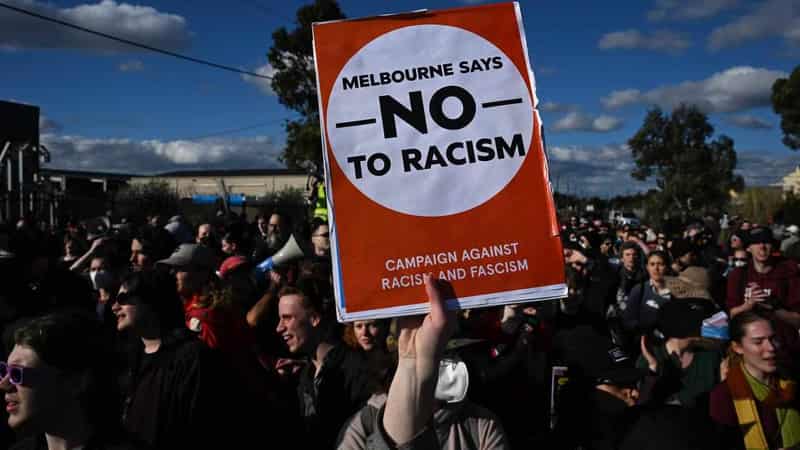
<point>783,280</point>
<point>221,328</point>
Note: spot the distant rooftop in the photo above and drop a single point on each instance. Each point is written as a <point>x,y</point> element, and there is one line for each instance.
<point>175,173</point>
<point>83,173</point>
<point>230,173</point>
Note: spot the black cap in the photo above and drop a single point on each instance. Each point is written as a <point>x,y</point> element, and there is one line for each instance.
<point>760,235</point>
<point>682,318</point>
<point>596,357</point>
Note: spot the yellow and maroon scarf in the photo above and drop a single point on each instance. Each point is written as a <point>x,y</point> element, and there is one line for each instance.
<point>746,391</point>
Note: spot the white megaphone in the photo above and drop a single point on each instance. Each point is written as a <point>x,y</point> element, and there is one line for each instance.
<point>289,252</point>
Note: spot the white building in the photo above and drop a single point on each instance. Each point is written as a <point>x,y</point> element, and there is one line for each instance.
<point>791,182</point>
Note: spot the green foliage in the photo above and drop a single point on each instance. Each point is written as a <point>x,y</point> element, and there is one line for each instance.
<point>290,202</point>
<point>786,103</point>
<point>758,204</point>
<point>692,174</point>
<point>136,201</point>
<point>791,210</point>
<point>295,83</point>
<point>303,143</point>
<point>288,196</point>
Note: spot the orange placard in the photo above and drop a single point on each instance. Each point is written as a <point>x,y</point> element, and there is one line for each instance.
<point>434,161</point>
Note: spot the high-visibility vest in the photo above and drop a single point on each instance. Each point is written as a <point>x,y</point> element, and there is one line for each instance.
<point>321,206</point>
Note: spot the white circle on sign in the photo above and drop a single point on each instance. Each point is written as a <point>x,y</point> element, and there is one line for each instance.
<point>449,166</point>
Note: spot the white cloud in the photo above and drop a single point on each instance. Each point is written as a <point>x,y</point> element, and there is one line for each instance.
<point>133,65</point>
<point>606,123</point>
<point>614,153</point>
<point>772,18</point>
<point>735,89</point>
<point>748,121</point>
<point>578,121</point>
<point>603,171</point>
<point>556,107</point>
<point>263,84</point>
<point>142,24</point>
<point>689,9</point>
<point>763,168</point>
<point>663,41</point>
<point>618,99</point>
<point>152,156</point>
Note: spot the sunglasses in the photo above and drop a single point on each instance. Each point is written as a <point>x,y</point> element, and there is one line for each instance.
<point>125,298</point>
<point>321,235</point>
<point>16,374</point>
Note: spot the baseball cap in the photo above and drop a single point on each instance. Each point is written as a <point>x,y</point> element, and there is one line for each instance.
<point>760,235</point>
<point>190,255</point>
<point>596,357</point>
<point>97,227</point>
<point>230,264</point>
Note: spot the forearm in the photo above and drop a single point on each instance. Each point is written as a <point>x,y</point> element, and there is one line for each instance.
<point>81,262</point>
<point>409,405</point>
<point>643,246</point>
<point>256,314</point>
<point>740,309</point>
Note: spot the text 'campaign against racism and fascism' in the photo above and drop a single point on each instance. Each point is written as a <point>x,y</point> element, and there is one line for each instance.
<point>434,161</point>
<point>454,265</point>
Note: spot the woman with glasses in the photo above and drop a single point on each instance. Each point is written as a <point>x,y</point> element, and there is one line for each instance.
<point>57,394</point>
<point>320,239</point>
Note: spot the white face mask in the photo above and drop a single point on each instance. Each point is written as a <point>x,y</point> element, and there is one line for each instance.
<point>453,382</point>
<point>101,279</point>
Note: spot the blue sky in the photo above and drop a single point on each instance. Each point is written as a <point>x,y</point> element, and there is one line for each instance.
<point>598,66</point>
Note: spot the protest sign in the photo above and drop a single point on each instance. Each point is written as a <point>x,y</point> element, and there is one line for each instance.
<point>434,161</point>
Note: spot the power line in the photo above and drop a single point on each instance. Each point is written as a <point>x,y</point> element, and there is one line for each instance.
<point>133,43</point>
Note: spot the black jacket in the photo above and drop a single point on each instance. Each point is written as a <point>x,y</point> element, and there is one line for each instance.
<point>643,308</point>
<point>592,420</point>
<point>669,428</point>
<point>39,442</point>
<point>328,399</point>
<point>177,397</point>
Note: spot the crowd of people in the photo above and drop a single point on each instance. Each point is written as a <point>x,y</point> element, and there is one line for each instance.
<point>168,334</point>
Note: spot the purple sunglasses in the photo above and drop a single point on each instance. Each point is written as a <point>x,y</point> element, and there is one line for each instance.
<point>15,374</point>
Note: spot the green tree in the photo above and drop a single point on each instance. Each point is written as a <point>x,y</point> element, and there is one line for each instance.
<point>691,172</point>
<point>758,203</point>
<point>786,103</point>
<point>295,83</point>
<point>137,201</point>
